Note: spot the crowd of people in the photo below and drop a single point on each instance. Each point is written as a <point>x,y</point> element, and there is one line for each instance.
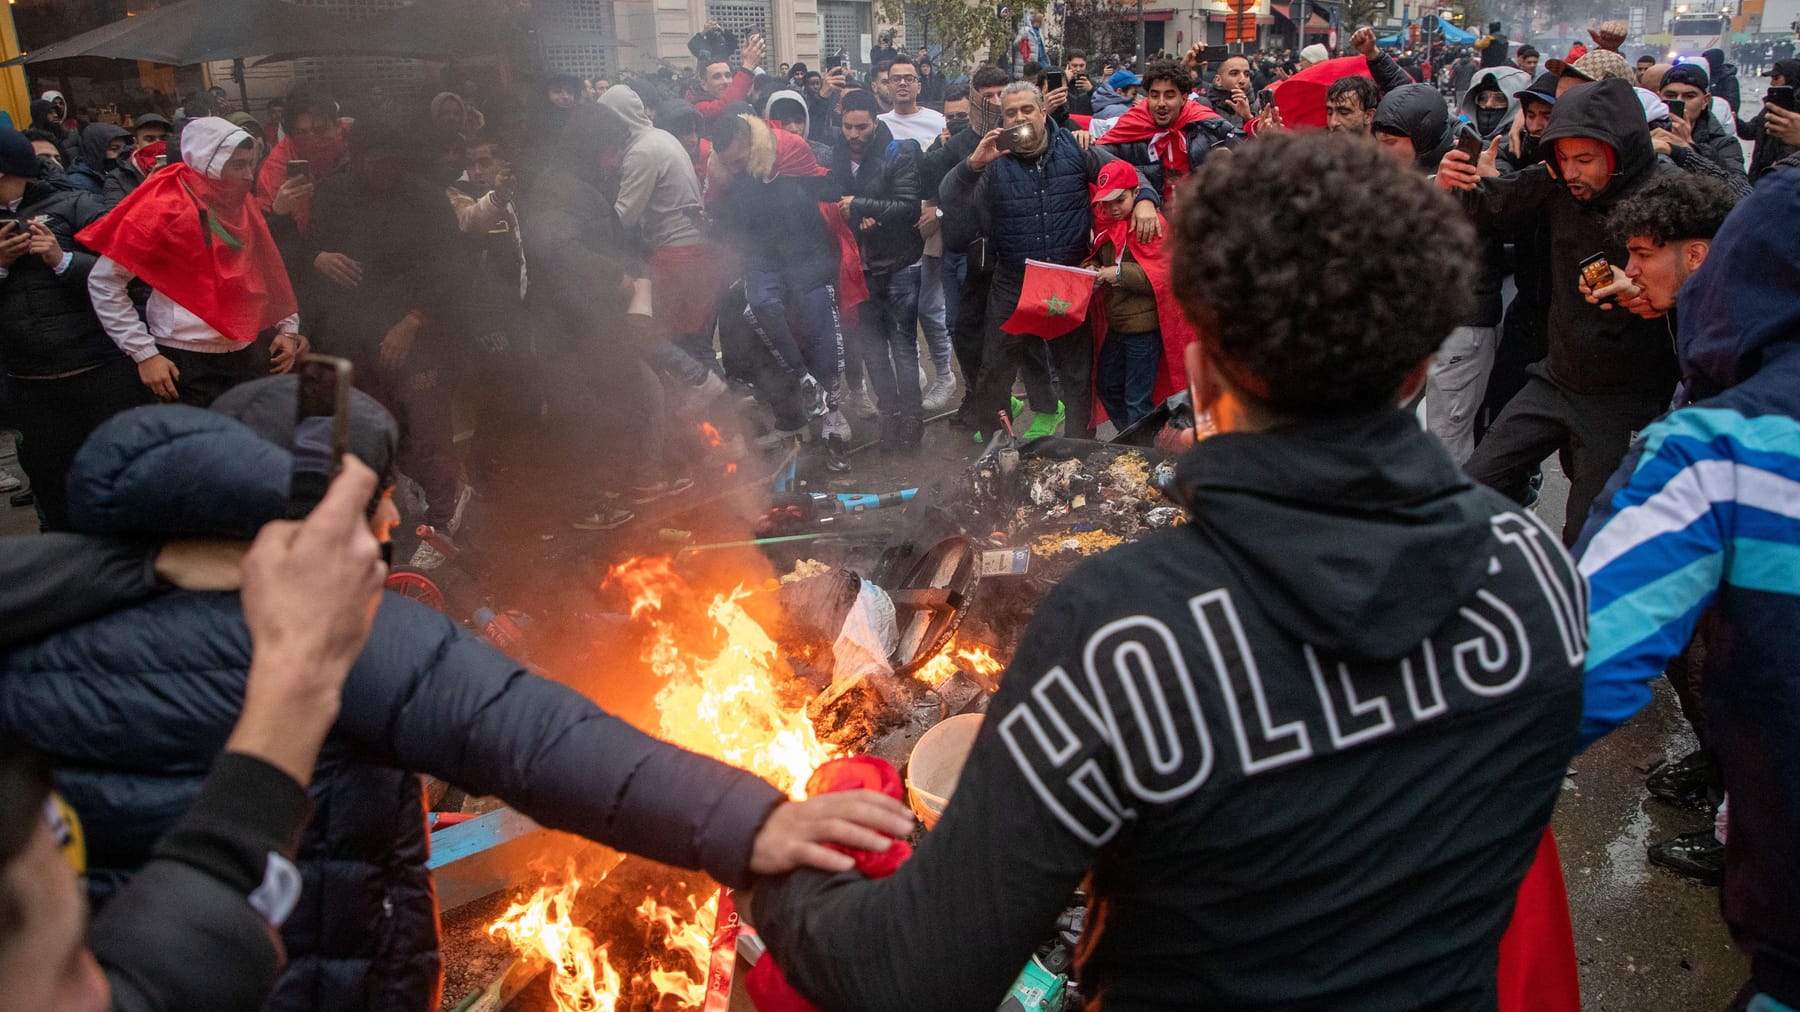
<point>1386,308</point>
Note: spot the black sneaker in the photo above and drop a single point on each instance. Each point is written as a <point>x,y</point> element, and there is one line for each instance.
<point>1699,856</point>
<point>1686,782</point>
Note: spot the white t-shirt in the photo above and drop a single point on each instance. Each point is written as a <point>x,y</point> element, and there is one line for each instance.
<point>922,126</point>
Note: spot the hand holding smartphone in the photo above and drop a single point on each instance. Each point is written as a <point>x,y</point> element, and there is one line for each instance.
<point>321,430</point>
<point>1469,143</point>
<point>298,168</point>
<point>1781,96</point>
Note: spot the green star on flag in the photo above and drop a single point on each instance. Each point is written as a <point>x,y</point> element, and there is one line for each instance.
<point>1053,300</point>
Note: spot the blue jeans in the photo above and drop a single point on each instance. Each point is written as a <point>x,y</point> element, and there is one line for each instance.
<point>777,308</point>
<point>1125,376</point>
<point>934,313</point>
<point>890,321</point>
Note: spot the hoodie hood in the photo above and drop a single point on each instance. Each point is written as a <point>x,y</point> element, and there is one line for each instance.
<point>1417,112</point>
<point>790,96</point>
<point>1742,306</point>
<point>174,470</point>
<point>1382,537</point>
<point>1108,102</point>
<point>92,142</point>
<point>627,103</point>
<point>1607,111</point>
<point>1715,62</point>
<point>1509,81</point>
<point>1655,109</point>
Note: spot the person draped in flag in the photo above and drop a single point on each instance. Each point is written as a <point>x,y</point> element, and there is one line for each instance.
<point>1034,197</point>
<point>193,233</point>
<point>1139,329</point>
<point>1168,136</point>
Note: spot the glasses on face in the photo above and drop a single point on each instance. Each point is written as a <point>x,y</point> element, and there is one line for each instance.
<point>902,79</point>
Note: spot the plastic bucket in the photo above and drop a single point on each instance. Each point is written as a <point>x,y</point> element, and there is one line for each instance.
<point>936,764</point>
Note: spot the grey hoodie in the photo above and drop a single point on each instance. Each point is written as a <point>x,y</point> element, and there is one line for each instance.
<point>659,195</point>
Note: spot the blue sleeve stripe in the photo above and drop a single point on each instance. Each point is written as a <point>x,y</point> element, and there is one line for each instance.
<point>1689,495</point>
<point>1767,433</point>
<point>1646,613</point>
<point>1679,453</point>
<point>1650,559</point>
<point>1613,691</point>
<point>1772,566</point>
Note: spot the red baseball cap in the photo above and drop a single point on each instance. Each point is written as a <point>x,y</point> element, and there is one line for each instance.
<point>1114,178</point>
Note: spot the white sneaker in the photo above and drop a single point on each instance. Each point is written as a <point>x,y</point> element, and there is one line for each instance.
<point>427,558</point>
<point>10,480</point>
<point>834,424</point>
<point>940,393</point>
<point>813,397</point>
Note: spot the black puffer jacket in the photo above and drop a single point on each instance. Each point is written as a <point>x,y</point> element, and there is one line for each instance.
<point>133,708</point>
<point>47,322</point>
<point>1591,350</point>
<point>888,190</point>
<point>1717,143</point>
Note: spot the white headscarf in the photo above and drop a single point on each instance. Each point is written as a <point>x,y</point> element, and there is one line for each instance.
<point>209,142</point>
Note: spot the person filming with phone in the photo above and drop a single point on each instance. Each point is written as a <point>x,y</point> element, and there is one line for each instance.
<point>1776,129</point>
<point>1030,181</point>
<point>1607,374</point>
<point>218,285</point>
<point>1693,131</point>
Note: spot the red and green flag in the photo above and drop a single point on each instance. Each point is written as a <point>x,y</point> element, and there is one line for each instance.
<point>1052,301</point>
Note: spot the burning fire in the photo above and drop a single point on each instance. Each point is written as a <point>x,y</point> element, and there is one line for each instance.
<point>693,937</point>
<point>727,705</point>
<point>542,927</point>
<point>720,696</point>
<point>977,658</point>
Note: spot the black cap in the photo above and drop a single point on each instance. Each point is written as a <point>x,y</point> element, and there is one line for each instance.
<point>17,156</point>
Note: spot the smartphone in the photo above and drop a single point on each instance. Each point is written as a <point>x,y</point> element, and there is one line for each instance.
<point>1053,79</point>
<point>1469,143</point>
<point>1014,137</point>
<point>1780,95</point>
<point>1677,108</point>
<point>1266,97</point>
<point>298,168</point>
<point>321,430</point>
<point>1596,272</point>
<point>834,61</point>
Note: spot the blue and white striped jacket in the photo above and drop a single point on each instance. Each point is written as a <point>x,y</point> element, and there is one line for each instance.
<point>1705,514</point>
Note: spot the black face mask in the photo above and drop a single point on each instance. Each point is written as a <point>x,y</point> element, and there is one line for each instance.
<point>1488,120</point>
<point>957,123</point>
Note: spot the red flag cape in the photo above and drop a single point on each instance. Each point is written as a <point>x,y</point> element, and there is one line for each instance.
<point>1301,98</point>
<point>1177,332</point>
<point>203,243</point>
<point>1537,970</point>
<point>1168,144</point>
<point>1052,301</point>
<point>794,157</point>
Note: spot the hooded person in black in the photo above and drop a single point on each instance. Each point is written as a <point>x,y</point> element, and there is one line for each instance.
<point>1412,125</point>
<point>1769,149</point>
<point>1522,339</point>
<point>1321,726</point>
<point>1608,372</point>
<point>95,155</point>
<point>1724,78</point>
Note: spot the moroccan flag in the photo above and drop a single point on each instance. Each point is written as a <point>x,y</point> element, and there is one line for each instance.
<point>1053,300</point>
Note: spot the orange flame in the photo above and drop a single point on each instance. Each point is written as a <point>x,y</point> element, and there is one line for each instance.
<point>727,705</point>
<point>543,927</point>
<point>690,936</point>
<point>977,658</point>
<point>710,436</point>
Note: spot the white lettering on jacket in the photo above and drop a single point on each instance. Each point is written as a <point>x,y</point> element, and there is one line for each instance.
<point>1137,731</point>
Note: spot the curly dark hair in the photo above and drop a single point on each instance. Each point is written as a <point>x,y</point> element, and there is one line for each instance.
<point>1674,207</point>
<point>1362,87</point>
<point>1171,71</point>
<point>1319,272</point>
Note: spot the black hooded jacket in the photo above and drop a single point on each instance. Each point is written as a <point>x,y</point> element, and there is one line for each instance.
<point>1305,746</point>
<point>90,168</point>
<point>1723,78</point>
<point>1417,111</point>
<point>1592,351</point>
<point>886,188</point>
<point>1768,150</point>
